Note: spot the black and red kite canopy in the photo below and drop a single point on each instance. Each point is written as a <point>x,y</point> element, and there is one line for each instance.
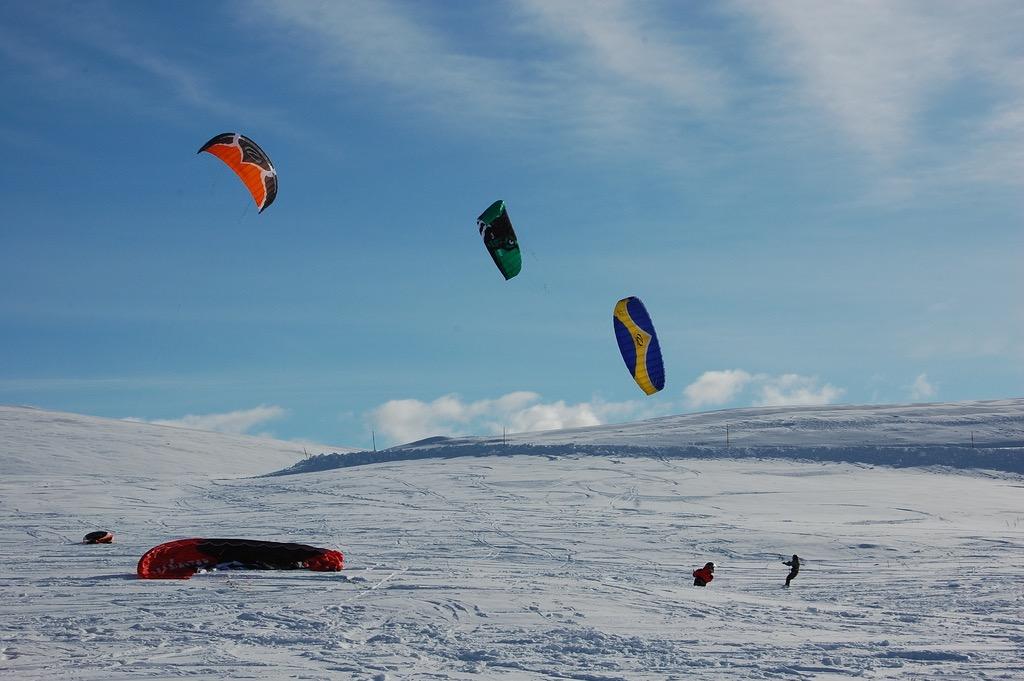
<point>183,558</point>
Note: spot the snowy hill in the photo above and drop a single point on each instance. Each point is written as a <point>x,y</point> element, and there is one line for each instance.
<point>37,442</point>
<point>983,435</point>
<point>572,565</point>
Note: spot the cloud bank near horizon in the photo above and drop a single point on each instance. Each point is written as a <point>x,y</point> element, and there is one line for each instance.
<point>401,421</point>
<point>240,422</point>
<point>717,388</point>
<point>408,420</point>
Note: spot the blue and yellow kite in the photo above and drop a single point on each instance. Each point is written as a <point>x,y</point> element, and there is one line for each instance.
<point>638,344</point>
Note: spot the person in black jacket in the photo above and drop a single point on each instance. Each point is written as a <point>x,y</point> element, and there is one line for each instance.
<point>794,568</point>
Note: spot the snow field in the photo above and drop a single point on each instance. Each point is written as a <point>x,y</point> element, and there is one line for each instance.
<point>526,567</point>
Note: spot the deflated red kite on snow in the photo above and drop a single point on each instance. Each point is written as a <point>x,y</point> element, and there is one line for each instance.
<point>183,558</point>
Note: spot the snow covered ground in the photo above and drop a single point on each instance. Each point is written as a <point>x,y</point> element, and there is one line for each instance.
<point>571,564</point>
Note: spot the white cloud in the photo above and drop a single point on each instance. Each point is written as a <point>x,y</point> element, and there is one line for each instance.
<point>644,74</point>
<point>238,422</point>
<point>133,70</point>
<point>553,417</point>
<point>617,43</point>
<point>716,387</point>
<point>922,389</point>
<point>793,390</point>
<point>997,151</point>
<point>883,74</point>
<point>868,64</point>
<point>600,72</point>
<point>386,43</point>
<point>400,421</point>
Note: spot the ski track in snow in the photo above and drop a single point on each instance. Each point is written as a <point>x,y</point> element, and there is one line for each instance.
<point>526,568</point>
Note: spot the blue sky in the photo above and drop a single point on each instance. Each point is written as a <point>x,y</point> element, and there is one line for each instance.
<point>817,202</point>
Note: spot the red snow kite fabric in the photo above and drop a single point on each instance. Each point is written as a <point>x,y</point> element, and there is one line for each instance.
<point>183,558</point>
<point>249,162</point>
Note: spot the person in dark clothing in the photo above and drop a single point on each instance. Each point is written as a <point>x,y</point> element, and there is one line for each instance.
<point>794,568</point>
<point>702,576</point>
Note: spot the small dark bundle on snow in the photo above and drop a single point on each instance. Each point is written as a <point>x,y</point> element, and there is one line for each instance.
<point>99,537</point>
